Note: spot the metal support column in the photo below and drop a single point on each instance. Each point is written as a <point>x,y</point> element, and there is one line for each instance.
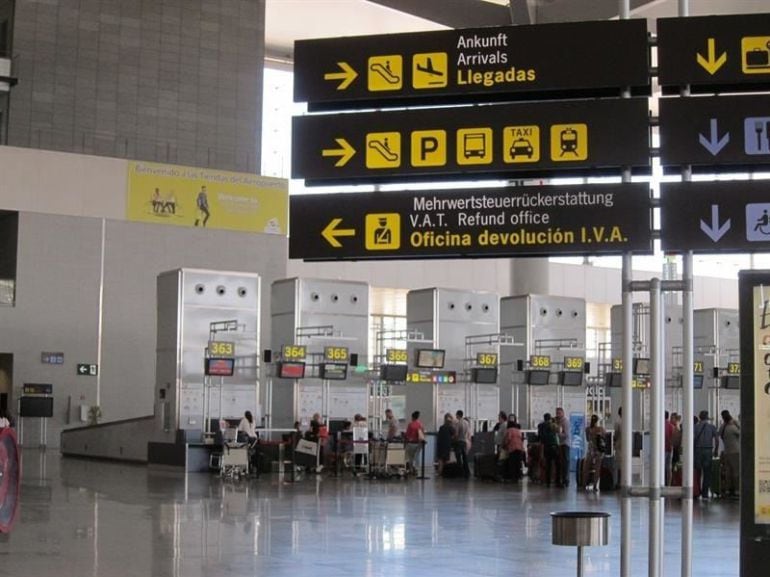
<point>626,434</point>
<point>688,449</point>
<point>626,478</point>
<point>657,403</point>
<point>687,415</point>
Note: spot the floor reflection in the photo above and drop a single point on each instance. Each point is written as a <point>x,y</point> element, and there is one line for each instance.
<point>107,519</point>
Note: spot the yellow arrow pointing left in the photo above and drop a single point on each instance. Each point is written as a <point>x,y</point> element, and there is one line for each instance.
<point>711,64</point>
<point>348,75</point>
<point>331,232</point>
<point>345,152</point>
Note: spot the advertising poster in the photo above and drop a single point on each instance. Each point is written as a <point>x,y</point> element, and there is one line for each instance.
<point>761,385</point>
<point>206,198</point>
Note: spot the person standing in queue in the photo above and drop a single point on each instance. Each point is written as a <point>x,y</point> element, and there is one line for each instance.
<point>562,422</point>
<point>596,449</point>
<point>462,443</point>
<point>668,443</point>
<point>415,438</point>
<point>547,433</point>
<point>247,432</point>
<point>499,431</point>
<point>446,433</point>
<point>706,447</point>
<point>514,446</point>
<point>730,433</point>
<point>391,425</point>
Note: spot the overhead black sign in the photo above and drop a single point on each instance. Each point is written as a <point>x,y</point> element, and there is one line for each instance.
<point>37,389</point>
<point>715,131</point>
<point>714,53</point>
<point>513,221</point>
<point>714,217</point>
<point>585,58</point>
<point>534,138</point>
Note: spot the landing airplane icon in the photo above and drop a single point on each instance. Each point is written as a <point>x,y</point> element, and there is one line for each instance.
<point>428,69</point>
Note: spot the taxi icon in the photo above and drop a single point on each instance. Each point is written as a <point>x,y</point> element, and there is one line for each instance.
<point>521,147</point>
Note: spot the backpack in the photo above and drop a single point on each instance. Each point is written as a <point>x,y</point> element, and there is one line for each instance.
<point>548,436</point>
<point>600,443</point>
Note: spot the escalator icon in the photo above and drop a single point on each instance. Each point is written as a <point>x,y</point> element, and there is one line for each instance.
<point>383,150</point>
<point>385,73</point>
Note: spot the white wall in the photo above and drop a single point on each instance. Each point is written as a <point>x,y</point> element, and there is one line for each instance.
<point>61,183</point>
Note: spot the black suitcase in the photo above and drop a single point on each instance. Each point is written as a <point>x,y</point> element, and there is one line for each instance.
<point>482,444</point>
<point>607,474</point>
<point>485,466</point>
<point>452,471</point>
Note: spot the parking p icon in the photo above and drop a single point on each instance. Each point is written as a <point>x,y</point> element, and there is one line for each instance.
<point>428,148</point>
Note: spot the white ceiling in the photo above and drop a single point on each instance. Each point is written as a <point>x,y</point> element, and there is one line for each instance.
<point>290,20</point>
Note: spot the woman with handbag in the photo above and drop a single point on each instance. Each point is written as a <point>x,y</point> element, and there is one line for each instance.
<point>596,444</point>
<point>415,438</point>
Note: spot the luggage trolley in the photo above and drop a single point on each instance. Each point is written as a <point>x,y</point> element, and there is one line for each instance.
<point>388,460</point>
<point>360,461</point>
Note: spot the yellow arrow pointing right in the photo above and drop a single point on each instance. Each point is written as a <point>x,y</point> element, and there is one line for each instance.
<point>712,63</point>
<point>331,232</point>
<point>345,152</point>
<point>348,75</point>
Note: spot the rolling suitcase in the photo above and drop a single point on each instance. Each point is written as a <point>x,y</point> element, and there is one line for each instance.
<point>485,466</point>
<point>607,474</point>
<point>452,471</point>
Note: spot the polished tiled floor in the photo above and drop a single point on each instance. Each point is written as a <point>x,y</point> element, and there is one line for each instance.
<point>87,518</point>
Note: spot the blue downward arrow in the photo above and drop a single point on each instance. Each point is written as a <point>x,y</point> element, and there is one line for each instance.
<point>714,144</point>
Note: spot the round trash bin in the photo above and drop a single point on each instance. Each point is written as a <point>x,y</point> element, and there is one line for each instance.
<point>580,529</point>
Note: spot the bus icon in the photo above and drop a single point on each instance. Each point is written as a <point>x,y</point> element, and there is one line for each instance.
<point>474,144</point>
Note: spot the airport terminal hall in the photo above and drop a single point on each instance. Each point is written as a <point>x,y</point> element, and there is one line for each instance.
<point>384,288</point>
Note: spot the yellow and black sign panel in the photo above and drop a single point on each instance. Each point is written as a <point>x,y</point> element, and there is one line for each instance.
<point>540,361</point>
<point>293,352</point>
<point>733,368</point>
<point>573,363</point>
<point>697,367</point>
<point>221,349</point>
<point>581,58</point>
<point>336,353</point>
<point>512,221</point>
<point>486,359</point>
<point>538,138</point>
<point>617,365</point>
<point>397,355</point>
<point>714,53</point>
<point>383,231</point>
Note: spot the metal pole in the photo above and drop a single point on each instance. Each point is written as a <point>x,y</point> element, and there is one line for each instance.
<point>656,427</point>
<point>626,457</point>
<point>687,386</point>
<point>580,561</point>
<point>626,480</point>
<point>100,324</point>
<point>687,416</point>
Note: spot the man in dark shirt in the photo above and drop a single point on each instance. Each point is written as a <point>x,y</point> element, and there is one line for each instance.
<point>706,447</point>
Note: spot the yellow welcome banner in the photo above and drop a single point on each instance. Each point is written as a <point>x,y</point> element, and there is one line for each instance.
<point>205,198</point>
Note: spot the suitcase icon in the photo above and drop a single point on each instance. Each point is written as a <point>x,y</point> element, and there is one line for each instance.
<point>755,55</point>
<point>758,58</point>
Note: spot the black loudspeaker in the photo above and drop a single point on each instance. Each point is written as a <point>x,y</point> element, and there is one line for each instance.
<point>587,368</point>
<point>715,372</point>
<point>519,365</point>
<point>267,356</point>
<point>353,359</point>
